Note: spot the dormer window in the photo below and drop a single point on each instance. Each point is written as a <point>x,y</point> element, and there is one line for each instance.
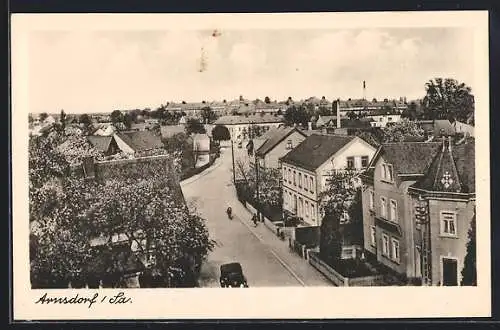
<point>387,172</point>
<point>289,145</point>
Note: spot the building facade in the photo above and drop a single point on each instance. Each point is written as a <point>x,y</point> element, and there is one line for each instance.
<point>277,145</point>
<point>240,126</point>
<point>418,201</point>
<point>307,168</point>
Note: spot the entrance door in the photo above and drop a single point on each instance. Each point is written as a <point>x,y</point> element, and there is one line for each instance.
<point>450,272</point>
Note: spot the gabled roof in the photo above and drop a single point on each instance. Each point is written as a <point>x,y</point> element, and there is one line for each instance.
<point>315,150</point>
<point>101,143</point>
<point>408,157</point>
<point>140,140</point>
<point>277,136</point>
<point>451,170</point>
<point>326,119</point>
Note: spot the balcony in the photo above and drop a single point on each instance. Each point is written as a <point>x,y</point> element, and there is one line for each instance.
<point>388,225</point>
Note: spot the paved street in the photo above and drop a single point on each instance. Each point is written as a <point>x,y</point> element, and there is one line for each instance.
<point>265,259</point>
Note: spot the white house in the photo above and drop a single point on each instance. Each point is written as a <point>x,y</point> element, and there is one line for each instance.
<point>381,120</point>
<point>240,126</point>
<point>307,167</point>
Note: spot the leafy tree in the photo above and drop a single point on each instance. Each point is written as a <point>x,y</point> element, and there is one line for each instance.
<point>128,120</point>
<point>208,115</point>
<point>116,117</point>
<point>66,212</point>
<point>84,119</point>
<point>324,111</point>
<point>338,202</point>
<point>62,120</point>
<point>181,147</point>
<point>221,133</point>
<point>469,272</point>
<point>401,130</point>
<point>30,118</point>
<point>448,99</point>
<point>43,116</point>
<point>411,111</point>
<point>194,126</point>
<point>296,115</point>
<point>267,100</point>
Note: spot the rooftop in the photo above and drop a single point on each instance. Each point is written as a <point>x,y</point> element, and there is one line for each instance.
<point>278,135</point>
<point>409,157</point>
<point>140,140</point>
<point>315,150</point>
<point>254,119</point>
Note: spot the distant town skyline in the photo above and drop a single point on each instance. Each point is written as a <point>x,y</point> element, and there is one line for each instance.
<point>100,71</point>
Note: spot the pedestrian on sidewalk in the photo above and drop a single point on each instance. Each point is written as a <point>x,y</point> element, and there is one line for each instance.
<point>255,220</point>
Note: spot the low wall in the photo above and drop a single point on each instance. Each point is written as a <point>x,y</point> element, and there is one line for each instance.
<point>337,278</point>
<point>326,270</point>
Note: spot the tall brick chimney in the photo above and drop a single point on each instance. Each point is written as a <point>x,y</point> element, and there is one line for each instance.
<point>337,104</point>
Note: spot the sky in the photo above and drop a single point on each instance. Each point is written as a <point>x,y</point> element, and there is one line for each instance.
<point>100,71</point>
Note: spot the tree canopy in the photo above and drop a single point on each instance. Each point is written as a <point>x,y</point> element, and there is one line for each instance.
<point>67,212</point>
<point>296,115</point>
<point>221,133</point>
<point>401,131</point>
<point>342,221</point>
<point>448,99</point>
<point>194,126</point>
<point>116,116</point>
<point>469,272</point>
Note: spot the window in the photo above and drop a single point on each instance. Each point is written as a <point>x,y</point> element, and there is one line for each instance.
<point>395,249</point>
<point>387,174</point>
<point>448,223</point>
<point>313,212</point>
<point>289,144</point>
<point>373,237</point>
<point>383,207</point>
<point>364,161</point>
<point>289,176</point>
<point>371,199</point>
<point>294,176</point>
<point>389,119</point>
<point>311,189</point>
<point>300,180</point>
<point>301,206</point>
<point>350,162</point>
<point>393,210</point>
<point>307,209</point>
<point>284,174</point>
<point>385,245</point>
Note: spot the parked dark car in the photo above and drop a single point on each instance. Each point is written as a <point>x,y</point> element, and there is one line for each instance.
<point>231,276</point>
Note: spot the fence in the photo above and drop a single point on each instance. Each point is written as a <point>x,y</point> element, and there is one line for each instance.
<point>337,278</point>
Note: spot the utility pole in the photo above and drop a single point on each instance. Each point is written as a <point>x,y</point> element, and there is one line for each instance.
<point>232,155</point>
<point>422,221</point>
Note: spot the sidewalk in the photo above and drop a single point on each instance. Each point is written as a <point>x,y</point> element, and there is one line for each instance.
<point>300,268</point>
<point>212,167</point>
